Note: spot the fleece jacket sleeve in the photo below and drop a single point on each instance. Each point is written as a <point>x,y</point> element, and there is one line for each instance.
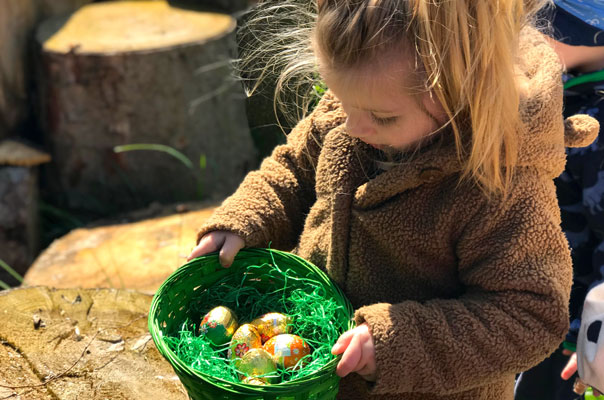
<point>514,263</point>
<point>271,203</point>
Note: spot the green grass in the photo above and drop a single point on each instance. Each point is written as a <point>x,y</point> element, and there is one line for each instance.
<point>186,161</point>
<point>12,272</point>
<point>56,222</point>
<point>156,147</point>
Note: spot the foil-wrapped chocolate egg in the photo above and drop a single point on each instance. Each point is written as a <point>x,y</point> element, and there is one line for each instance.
<point>218,325</point>
<point>258,363</point>
<point>272,324</point>
<point>287,349</point>
<point>246,337</point>
<point>252,380</point>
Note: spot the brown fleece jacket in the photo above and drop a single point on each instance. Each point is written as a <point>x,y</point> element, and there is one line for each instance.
<point>460,292</point>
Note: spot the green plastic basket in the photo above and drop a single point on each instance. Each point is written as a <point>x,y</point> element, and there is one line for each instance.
<point>170,307</point>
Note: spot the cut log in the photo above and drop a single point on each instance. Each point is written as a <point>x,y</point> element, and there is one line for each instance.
<point>120,73</point>
<point>18,19</point>
<point>138,255</point>
<point>18,219</point>
<point>19,154</point>
<point>19,230</point>
<point>81,344</point>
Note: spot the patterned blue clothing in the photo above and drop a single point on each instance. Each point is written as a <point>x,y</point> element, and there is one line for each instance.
<point>577,22</point>
<point>589,11</point>
<point>580,191</point>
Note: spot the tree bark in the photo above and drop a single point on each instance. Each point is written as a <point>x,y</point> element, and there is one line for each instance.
<point>18,219</point>
<point>18,19</point>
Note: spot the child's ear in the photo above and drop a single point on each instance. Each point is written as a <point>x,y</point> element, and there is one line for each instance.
<point>432,105</point>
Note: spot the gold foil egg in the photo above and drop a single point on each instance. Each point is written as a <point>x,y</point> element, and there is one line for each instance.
<point>246,337</point>
<point>287,349</point>
<point>218,325</point>
<point>258,363</point>
<point>272,324</point>
<point>252,380</point>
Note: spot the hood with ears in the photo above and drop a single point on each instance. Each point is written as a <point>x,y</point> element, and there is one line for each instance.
<point>544,136</point>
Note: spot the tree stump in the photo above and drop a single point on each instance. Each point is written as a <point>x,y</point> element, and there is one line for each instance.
<point>81,344</point>
<point>139,255</point>
<point>120,73</point>
<point>18,19</point>
<point>19,229</point>
<point>228,6</point>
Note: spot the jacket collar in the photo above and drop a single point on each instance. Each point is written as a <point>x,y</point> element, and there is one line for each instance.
<point>427,167</point>
<point>351,162</point>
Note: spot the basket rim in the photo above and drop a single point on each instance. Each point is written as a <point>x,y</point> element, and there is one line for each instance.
<point>326,372</point>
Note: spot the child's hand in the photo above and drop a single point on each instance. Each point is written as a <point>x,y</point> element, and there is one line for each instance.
<point>571,368</point>
<point>359,353</point>
<point>228,243</point>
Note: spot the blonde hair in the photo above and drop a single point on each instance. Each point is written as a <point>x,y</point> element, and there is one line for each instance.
<point>466,49</point>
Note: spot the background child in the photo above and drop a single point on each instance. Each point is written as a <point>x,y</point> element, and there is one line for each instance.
<point>579,42</point>
<point>422,184</point>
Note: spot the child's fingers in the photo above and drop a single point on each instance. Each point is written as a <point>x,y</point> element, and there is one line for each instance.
<point>366,367</point>
<point>350,358</point>
<point>369,354</point>
<point>366,371</point>
<point>232,244</point>
<point>197,252</point>
<point>343,342</point>
<point>208,243</point>
<point>570,368</point>
<point>367,375</point>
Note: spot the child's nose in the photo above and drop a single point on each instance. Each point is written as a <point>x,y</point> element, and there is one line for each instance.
<point>357,127</point>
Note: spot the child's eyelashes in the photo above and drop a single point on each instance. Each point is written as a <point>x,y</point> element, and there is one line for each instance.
<point>383,120</point>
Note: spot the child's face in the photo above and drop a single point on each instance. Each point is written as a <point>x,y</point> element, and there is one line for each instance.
<point>385,108</point>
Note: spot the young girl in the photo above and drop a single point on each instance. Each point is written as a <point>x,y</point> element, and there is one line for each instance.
<point>422,184</point>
